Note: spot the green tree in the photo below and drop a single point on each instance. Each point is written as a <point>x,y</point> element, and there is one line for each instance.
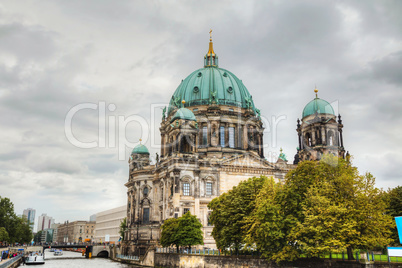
<point>16,227</point>
<point>323,206</point>
<point>4,235</point>
<point>169,233</point>
<point>189,231</point>
<point>23,233</point>
<point>230,210</point>
<point>264,227</point>
<point>394,209</point>
<point>342,211</point>
<point>7,216</point>
<point>37,237</point>
<point>123,228</point>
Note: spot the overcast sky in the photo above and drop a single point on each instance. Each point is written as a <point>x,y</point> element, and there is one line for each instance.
<point>131,55</point>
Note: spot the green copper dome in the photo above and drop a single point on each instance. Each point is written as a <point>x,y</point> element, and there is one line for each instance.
<point>211,85</point>
<point>318,106</point>
<point>184,113</point>
<point>140,149</point>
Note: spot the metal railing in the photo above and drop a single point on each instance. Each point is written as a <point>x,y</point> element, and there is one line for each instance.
<point>359,256</point>
<point>126,257</point>
<point>10,262</point>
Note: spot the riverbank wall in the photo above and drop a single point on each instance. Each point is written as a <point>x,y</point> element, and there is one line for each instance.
<point>172,260</point>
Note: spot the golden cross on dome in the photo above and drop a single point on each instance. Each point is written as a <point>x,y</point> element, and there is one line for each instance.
<point>210,34</point>
<point>140,141</point>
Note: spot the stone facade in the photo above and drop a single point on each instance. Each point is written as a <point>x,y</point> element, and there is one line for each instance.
<point>75,232</point>
<point>207,148</point>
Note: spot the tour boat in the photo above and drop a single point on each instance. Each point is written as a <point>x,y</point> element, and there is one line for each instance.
<point>58,252</point>
<point>35,258</point>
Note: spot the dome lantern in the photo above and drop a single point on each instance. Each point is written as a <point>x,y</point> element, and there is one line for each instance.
<point>211,59</point>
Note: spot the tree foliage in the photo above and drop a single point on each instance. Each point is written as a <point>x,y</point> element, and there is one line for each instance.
<point>394,200</point>
<point>189,231</point>
<point>321,207</point>
<point>123,228</point>
<point>4,235</point>
<point>169,233</point>
<point>16,227</point>
<point>230,210</point>
<point>183,231</point>
<point>37,237</point>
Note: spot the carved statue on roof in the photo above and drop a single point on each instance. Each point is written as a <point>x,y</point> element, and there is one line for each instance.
<point>164,114</point>
<point>282,156</point>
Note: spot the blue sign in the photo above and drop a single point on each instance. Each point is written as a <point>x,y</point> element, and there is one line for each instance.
<point>398,221</point>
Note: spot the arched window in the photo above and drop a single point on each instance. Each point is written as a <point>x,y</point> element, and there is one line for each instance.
<point>186,188</point>
<point>185,144</point>
<point>231,137</point>
<point>222,136</point>
<point>308,139</point>
<point>204,136</point>
<point>208,188</point>
<point>331,138</point>
<point>145,215</point>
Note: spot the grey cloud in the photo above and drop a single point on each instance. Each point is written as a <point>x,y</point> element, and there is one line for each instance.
<point>387,69</point>
<point>50,163</point>
<point>133,54</point>
<point>27,43</point>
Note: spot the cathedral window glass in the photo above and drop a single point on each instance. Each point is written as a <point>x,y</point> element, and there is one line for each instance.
<point>204,136</point>
<point>208,187</point>
<point>145,215</point>
<point>231,137</point>
<point>222,136</point>
<point>186,188</point>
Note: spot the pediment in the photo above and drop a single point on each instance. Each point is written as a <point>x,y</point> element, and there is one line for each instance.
<point>246,161</point>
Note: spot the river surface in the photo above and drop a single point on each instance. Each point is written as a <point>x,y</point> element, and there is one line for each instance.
<point>76,260</point>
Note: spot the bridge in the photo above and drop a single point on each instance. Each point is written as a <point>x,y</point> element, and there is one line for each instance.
<point>101,251</point>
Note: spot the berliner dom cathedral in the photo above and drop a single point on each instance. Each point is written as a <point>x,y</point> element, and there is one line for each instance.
<point>211,139</point>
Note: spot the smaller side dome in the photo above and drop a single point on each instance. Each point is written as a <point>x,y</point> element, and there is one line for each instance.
<point>140,149</point>
<point>318,106</point>
<point>184,113</point>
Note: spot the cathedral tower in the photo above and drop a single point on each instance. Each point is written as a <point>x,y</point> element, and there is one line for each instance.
<point>319,132</point>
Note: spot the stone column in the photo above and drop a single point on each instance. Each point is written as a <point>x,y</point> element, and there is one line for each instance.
<point>245,137</point>
<point>164,199</point>
<point>176,181</point>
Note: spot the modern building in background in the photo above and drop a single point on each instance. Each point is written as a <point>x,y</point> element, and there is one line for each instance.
<point>108,224</point>
<point>30,214</point>
<point>44,222</point>
<point>47,235</point>
<point>75,232</point>
<point>92,217</point>
<point>55,227</point>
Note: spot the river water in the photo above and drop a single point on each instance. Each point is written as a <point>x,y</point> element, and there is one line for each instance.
<point>76,260</point>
